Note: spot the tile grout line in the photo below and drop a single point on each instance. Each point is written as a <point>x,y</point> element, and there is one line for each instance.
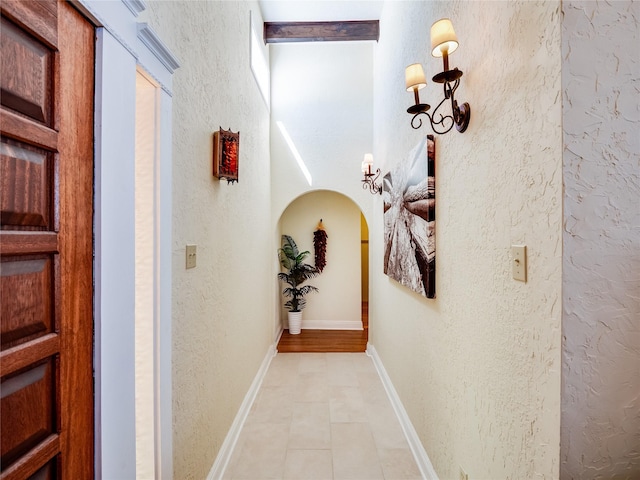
<point>352,408</point>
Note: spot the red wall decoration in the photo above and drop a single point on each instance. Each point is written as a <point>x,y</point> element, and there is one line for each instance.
<point>226,155</point>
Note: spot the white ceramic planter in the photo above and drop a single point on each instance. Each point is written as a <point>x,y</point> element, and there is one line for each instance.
<point>295,322</point>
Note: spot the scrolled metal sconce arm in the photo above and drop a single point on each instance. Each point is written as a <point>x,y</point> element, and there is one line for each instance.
<point>460,114</point>
<point>369,181</point>
<point>443,43</point>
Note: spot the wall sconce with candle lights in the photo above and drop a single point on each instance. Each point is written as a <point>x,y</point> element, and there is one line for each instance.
<point>443,43</point>
<point>369,180</point>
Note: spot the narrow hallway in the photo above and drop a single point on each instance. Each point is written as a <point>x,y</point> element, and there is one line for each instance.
<point>322,416</point>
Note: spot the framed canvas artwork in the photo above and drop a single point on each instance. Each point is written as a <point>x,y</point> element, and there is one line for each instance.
<point>409,196</point>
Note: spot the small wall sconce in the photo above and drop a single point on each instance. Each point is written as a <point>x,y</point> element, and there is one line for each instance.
<point>369,180</point>
<point>443,43</point>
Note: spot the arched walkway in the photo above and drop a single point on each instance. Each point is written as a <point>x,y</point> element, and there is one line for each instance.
<point>335,318</point>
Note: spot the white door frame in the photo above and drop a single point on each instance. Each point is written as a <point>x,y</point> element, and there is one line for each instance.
<point>122,45</point>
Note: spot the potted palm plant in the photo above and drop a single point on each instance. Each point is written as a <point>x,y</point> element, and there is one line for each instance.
<point>296,273</point>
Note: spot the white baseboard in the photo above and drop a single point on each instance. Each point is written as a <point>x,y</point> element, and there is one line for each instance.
<point>278,336</point>
<point>332,325</point>
<point>419,453</point>
<point>226,450</point>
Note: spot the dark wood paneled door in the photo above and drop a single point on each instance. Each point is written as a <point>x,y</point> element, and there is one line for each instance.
<point>46,241</point>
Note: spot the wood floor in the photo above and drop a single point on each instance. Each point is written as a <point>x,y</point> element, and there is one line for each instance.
<point>322,341</point>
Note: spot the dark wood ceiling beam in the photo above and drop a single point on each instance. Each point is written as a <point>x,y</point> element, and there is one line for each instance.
<point>283,32</point>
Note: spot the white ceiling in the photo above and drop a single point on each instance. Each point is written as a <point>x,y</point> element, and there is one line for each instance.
<point>319,10</point>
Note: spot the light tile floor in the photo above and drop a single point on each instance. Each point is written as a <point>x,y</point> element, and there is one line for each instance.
<point>322,416</point>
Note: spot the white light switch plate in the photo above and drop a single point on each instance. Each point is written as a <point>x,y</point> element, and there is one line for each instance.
<point>191,256</point>
<point>519,262</point>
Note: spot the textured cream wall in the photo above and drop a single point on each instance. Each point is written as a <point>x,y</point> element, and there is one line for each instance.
<point>339,283</point>
<point>323,93</point>
<point>222,309</point>
<point>601,267</point>
<point>478,368</point>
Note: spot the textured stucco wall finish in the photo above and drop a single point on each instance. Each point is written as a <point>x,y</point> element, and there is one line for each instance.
<point>478,368</point>
<point>322,93</point>
<point>222,322</point>
<point>601,261</point>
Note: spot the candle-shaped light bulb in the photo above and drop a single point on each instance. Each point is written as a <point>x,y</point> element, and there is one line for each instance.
<point>414,78</point>
<point>443,38</point>
<point>367,163</point>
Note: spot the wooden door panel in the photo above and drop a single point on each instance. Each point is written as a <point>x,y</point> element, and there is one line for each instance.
<point>48,472</point>
<point>42,458</point>
<point>46,241</point>
<point>27,67</point>
<point>26,186</point>
<point>39,18</point>
<point>19,357</point>
<point>28,311</point>
<point>77,38</point>
<point>24,129</point>
<point>28,410</point>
